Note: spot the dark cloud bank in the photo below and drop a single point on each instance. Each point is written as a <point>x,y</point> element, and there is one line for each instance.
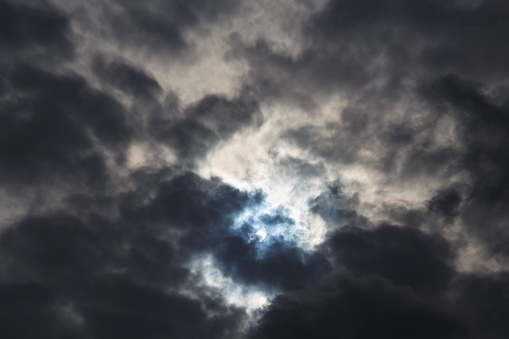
<point>113,262</point>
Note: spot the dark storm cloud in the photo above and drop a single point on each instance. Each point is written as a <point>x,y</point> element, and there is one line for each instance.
<point>206,123</point>
<point>476,307</point>
<point>482,125</point>
<point>31,303</point>
<point>404,256</point>
<point>87,276</point>
<point>190,131</point>
<point>130,79</point>
<point>53,125</point>
<point>483,302</point>
<point>281,266</point>
<point>80,274</point>
<point>458,36</point>
<point>161,25</point>
<point>446,203</point>
<point>120,308</point>
<point>392,282</point>
<point>30,30</point>
<point>48,122</point>
<point>338,209</point>
<point>61,247</point>
<point>203,212</point>
<point>369,308</point>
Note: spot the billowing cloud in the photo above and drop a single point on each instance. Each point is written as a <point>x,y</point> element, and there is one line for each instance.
<point>254,169</point>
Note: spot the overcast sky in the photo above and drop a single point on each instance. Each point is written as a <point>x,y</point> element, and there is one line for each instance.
<point>254,169</point>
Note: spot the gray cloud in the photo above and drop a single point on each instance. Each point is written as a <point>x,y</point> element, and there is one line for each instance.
<point>141,145</point>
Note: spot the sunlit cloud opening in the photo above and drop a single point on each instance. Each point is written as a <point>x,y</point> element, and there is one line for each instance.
<point>259,159</point>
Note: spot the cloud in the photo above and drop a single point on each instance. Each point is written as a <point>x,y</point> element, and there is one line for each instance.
<point>123,277</point>
<point>51,131</point>
<point>206,123</point>
<point>156,26</point>
<point>402,255</point>
<point>481,122</point>
<point>391,282</point>
<point>142,143</point>
<point>281,266</point>
<point>29,30</point>
<point>358,309</point>
<point>126,77</point>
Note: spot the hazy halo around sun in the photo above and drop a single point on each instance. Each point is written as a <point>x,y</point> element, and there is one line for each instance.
<point>259,235</point>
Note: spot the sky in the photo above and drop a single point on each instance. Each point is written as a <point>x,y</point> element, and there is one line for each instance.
<point>254,169</point>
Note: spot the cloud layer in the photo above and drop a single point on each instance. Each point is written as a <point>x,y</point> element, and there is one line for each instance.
<point>141,144</point>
